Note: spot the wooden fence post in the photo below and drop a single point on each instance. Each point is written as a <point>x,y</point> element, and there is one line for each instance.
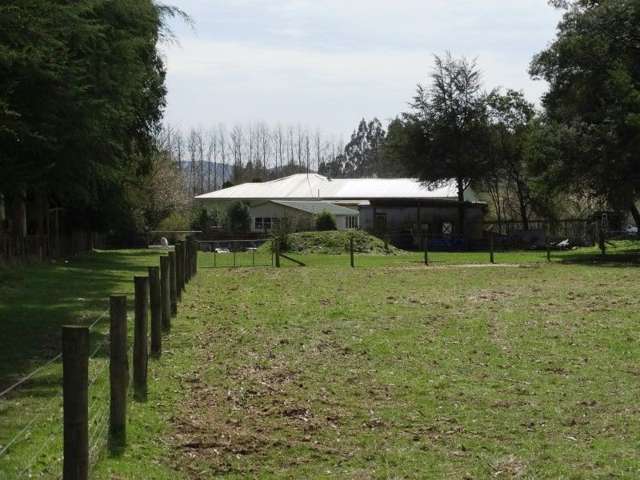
<point>277,252</point>
<point>118,372</point>
<point>187,264</point>
<point>184,266</point>
<point>425,247</point>
<point>602,241</point>
<point>165,287</point>
<point>547,243</point>
<point>155,297</point>
<point>75,367</point>
<point>492,258</point>
<point>353,263</point>
<point>172,284</point>
<point>140,342</point>
<point>196,247</point>
<point>179,250</point>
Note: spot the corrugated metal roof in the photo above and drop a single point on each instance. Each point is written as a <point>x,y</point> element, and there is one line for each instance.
<point>316,207</point>
<point>314,186</point>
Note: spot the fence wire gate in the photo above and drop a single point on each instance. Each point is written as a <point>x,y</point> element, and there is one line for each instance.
<point>235,254</point>
<point>31,415</point>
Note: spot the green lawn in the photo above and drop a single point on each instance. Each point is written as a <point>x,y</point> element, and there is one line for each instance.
<point>35,301</point>
<point>391,370</point>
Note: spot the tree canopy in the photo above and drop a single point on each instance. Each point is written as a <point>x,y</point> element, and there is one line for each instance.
<point>594,75</point>
<point>445,135</point>
<point>81,97</point>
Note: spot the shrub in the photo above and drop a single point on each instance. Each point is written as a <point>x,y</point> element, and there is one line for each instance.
<point>205,220</point>
<point>238,218</point>
<point>326,222</point>
<point>175,221</point>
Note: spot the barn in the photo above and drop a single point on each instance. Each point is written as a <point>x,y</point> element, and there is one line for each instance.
<point>396,207</point>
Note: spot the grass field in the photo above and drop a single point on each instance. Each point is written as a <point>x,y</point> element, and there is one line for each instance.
<point>391,370</point>
<point>35,301</point>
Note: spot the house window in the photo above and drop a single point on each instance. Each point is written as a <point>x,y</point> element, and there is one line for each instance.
<point>352,221</point>
<point>265,224</point>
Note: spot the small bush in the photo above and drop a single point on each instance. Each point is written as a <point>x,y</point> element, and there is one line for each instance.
<point>238,218</point>
<point>205,220</point>
<point>176,221</point>
<point>326,222</point>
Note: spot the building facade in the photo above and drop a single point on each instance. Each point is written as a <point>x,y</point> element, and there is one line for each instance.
<point>402,209</point>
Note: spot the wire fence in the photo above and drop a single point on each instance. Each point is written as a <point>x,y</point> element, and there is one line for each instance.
<point>35,413</point>
<point>236,253</point>
<point>31,414</point>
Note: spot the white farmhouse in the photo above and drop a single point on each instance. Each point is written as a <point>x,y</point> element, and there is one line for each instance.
<point>396,207</point>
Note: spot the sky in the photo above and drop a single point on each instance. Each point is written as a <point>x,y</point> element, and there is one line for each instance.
<point>325,64</point>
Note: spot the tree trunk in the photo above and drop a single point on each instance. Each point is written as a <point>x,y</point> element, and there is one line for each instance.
<point>524,216</point>
<point>42,210</point>
<point>636,214</point>
<point>461,207</point>
<point>20,213</point>
<point>522,202</point>
<point>2,210</point>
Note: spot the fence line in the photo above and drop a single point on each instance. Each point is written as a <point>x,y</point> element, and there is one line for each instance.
<point>48,363</point>
<point>34,459</point>
<point>28,377</point>
<point>98,384</point>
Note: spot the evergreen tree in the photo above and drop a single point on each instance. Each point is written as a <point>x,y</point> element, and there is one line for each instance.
<point>446,134</point>
<point>81,97</point>
<point>594,98</point>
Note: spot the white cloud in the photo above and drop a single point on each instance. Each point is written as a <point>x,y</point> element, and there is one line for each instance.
<point>328,63</point>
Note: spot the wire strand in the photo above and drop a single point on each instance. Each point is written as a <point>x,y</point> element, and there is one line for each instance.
<point>31,375</point>
<point>48,363</point>
<point>53,436</point>
<point>99,319</point>
<point>26,428</point>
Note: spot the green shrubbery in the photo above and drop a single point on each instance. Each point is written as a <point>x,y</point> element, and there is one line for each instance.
<point>326,222</point>
<point>237,218</point>
<point>335,243</point>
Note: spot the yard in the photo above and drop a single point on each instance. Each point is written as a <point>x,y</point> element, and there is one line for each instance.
<point>391,370</point>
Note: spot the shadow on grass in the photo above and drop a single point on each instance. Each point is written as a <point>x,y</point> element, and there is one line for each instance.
<point>37,300</point>
<point>626,258</point>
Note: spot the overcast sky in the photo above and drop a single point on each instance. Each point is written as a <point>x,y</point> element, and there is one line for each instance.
<point>327,63</point>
